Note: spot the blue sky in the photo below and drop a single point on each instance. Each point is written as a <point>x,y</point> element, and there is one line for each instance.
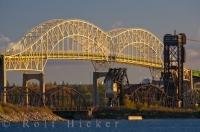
<point>159,16</point>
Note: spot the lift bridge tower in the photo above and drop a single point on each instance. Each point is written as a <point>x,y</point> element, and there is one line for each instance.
<point>174,58</point>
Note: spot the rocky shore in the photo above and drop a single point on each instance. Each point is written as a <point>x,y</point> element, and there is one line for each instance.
<point>14,113</point>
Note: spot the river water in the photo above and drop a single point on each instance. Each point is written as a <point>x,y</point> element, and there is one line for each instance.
<point>146,125</point>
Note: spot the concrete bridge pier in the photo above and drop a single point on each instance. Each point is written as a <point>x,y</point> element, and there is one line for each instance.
<point>3,81</point>
<point>26,103</point>
<point>96,76</point>
<point>40,78</point>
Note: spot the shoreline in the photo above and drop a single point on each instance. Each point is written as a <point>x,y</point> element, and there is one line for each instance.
<point>13,113</point>
<point>123,113</point>
<point>21,114</point>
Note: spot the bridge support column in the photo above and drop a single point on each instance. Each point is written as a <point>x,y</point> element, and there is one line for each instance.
<point>95,90</point>
<point>5,88</point>
<point>40,78</point>
<point>3,81</point>
<point>26,103</point>
<point>96,75</point>
<point>42,89</point>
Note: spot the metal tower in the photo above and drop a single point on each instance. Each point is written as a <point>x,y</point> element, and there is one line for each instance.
<point>174,57</point>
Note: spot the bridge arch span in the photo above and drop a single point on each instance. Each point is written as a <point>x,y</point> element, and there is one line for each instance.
<point>80,40</point>
<point>32,36</point>
<point>142,44</point>
<point>49,44</point>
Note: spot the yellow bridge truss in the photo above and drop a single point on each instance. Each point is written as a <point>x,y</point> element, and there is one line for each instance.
<point>81,40</point>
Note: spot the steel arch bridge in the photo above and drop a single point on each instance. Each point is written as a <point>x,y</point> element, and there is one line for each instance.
<point>80,40</point>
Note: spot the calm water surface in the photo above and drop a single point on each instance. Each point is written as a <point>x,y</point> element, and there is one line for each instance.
<point>147,125</point>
